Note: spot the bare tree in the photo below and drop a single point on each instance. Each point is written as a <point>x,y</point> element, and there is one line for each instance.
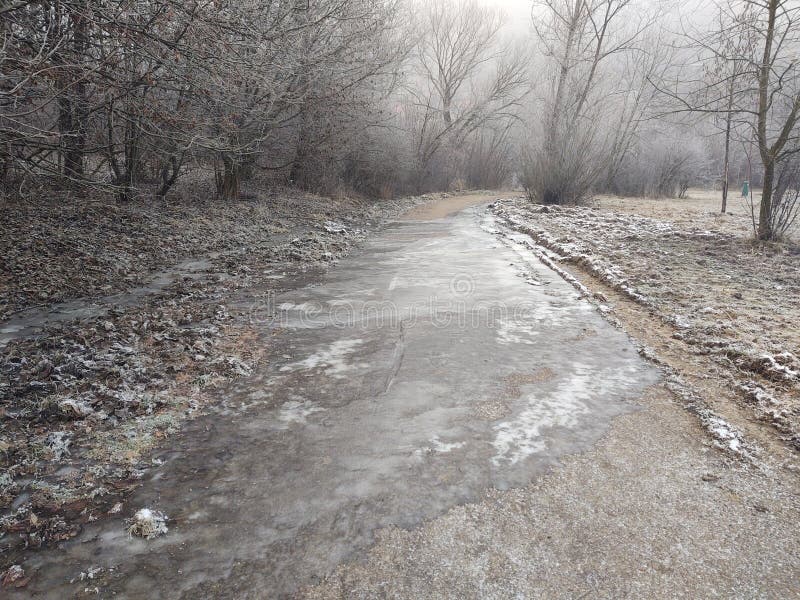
<point>458,40</point>
<point>758,42</point>
<point>577,37</point>
<point>730,69</point>
<point>778,21</point>
<point>118,95</point>
<point>468,79</point>
<point>633,103</point>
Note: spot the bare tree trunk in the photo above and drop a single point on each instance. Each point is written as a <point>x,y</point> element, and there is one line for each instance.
<point>72,101</point>
<point>558,99</point>
<point>726,160</point>
<point>767,157</point>
<point>229,180</point>
<point>297,175</point>
<point>73,165</point>
<point>133,160</point>
<point>765,231</point>
<point>447,111</point>
<point>168,175</point>
<point>5,163</point>
<point>80,43</point>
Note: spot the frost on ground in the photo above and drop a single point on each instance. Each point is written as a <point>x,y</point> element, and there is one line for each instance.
<point>725,436</point>
<point>297,411</point>
<point>13,576</point>
<point>695,271</point>
<point>83,402</point>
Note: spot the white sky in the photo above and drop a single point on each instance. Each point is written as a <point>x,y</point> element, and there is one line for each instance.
<point>685,12</point>
<point>518,13</point>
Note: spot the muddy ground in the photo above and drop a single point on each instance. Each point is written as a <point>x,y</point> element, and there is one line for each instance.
<point>142,337</point>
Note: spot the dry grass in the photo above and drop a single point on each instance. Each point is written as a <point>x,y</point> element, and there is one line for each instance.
<point>700,210</point>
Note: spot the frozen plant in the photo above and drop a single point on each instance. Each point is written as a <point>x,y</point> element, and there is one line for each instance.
<point>13,574</point>
<point>147,523</point>
<point>58,442</point>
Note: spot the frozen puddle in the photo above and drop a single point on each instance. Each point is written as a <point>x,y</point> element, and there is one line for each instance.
<point>30,321</point>
<point>439,446</point>
<point>515,332</point>
<point>415,375</point>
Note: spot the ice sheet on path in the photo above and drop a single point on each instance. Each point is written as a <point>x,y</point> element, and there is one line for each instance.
<point>333,360</point>
<point>524,434</point>
<point>296,411</point>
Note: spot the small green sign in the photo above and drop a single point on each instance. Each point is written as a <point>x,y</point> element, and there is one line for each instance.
<point>746,190</point>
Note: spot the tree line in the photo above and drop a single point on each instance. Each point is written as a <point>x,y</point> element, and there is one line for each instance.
<point>648,98</point>
<point>387,97</point>
<point>129,95</point>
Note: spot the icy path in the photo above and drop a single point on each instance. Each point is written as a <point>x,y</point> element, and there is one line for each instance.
<point>430,366</point>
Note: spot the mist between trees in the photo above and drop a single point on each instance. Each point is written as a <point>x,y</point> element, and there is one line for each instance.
<point>381,98</point>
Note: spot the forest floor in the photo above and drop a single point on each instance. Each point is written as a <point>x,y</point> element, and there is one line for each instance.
<point>114,330</point>
<point>690,285</point>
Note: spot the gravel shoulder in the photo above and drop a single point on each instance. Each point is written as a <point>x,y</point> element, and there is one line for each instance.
<point>652,511</point>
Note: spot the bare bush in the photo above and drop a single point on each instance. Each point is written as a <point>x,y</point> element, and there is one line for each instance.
<point>663,165</point>
<point>565,169</point>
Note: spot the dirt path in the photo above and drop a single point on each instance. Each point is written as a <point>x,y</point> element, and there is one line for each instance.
<point>447,207</point>
<point>441,415</point>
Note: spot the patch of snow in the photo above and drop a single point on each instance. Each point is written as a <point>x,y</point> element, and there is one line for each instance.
<point>58,443</point>
<point>523,435</point>
<point>334,227</point>
<point>302,307</point>
<point>295,411</point>
<point>89,574</point>
<point>12,574</point>
<point>724,435</point>
<point>75,407</point>
<point>513,332</point>
<point>680,321</point>
<point>444,447</point>
<point>332,360</point>
<point>438,446</point>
